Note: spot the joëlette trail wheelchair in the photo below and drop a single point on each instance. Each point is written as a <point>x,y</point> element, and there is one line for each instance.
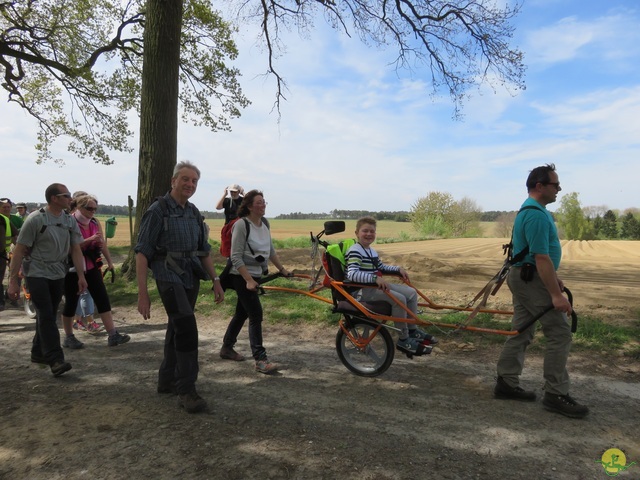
<point>363,342</point>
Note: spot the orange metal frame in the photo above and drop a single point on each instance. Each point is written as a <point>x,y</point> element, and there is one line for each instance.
<point>383,319</point>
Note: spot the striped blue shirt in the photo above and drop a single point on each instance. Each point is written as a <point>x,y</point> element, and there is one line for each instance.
<point>364,263</point>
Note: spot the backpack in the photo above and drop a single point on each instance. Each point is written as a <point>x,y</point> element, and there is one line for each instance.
<point>225,235</point>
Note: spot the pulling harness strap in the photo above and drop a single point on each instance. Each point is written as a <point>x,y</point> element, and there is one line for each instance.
<point>493,285</point>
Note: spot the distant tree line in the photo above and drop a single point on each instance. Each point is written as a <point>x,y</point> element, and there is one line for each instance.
<point>438,213</point>
<point>599,223</point>
<point>346,215</point>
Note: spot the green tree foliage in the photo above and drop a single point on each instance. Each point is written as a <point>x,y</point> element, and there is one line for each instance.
<point>630,227</point>
<point>75,66</point>
<point>439,215</point>
<point>609,225</point>
<point>573,224</point>
<point>598,225</point>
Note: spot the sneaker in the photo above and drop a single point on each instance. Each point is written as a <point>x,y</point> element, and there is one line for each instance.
<point>265,366</point>
<point>423,336</point>
<point>118,339</point>
<point>228,353</point>
<point>192,402</point>
<point>79,325</point>
<point>564,405</point>
<point>413,346</point>
<point>59,367</point>
<point>72,343</point>
<point>94,327</point>
<point>503,391</point>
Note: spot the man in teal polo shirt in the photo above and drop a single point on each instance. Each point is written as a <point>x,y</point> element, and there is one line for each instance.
<point>534,285</point>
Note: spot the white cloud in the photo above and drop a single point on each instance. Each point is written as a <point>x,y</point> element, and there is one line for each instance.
<point>610,37</point>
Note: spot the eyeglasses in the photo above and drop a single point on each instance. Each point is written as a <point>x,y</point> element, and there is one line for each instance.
<point>65,195</point>
<point>91,209</point>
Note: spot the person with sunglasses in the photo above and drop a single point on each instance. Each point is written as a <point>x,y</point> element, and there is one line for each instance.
<point>249,256</point>
<point>44,243</point>
<point>93,248</point>
<point>534,285</point>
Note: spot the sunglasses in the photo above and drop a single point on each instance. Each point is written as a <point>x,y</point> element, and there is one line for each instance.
<point>65,195</point>
<point>91,209</point>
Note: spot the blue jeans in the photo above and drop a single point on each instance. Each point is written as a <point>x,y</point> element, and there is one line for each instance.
<point>248,306</point>
<point>46,295</point>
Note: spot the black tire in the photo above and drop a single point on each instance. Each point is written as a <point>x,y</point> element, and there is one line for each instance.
<point>375,357</point>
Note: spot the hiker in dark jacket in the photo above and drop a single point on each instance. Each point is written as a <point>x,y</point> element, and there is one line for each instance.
<point>172,242</point>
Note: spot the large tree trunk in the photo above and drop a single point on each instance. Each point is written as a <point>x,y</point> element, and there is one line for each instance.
<point>158,107</point>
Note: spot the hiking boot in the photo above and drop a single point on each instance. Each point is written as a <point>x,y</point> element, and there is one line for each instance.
<point>564,405</point>
<point>413,346</point>
<point>503,391</point>
<point>72,343</point>
<point>167,388</point>
<point>59,367</point>
<point>192,402</point>
<point>265,366</point>
<point>118,339</point>
<point>424,337</point>
<point>228,353</point>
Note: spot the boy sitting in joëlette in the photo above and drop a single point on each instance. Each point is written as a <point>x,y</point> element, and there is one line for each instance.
<point>364,266</point>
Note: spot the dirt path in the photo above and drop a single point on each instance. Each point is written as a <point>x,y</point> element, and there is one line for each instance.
<point>432,417</point>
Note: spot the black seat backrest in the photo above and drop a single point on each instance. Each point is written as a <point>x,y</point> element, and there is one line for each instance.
<point>336,272</point>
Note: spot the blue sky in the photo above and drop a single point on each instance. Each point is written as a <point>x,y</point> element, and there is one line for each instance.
<point>354,134</point>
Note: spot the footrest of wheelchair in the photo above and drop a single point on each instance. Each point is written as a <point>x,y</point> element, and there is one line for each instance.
<point>422,350</point>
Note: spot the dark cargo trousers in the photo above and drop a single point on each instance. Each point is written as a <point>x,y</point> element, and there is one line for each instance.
<point>180,362</point>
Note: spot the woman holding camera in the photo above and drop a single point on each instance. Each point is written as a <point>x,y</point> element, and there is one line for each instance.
<point>251,249</point>
<point>93,247</point>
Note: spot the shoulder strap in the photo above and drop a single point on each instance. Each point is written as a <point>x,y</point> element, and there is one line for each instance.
<point>45,222</point>
<point>511,258</point>
<point>162,203</point>
<point>248,229</point>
